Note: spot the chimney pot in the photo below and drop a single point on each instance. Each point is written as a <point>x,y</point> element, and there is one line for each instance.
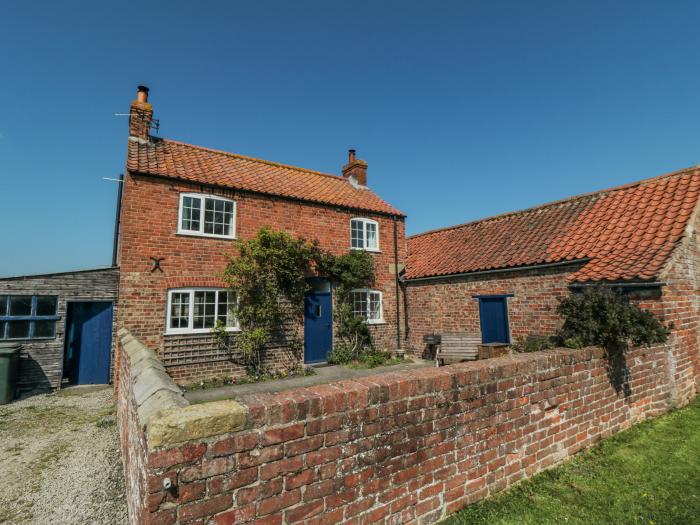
<point>355,169</point>
<point>140,115</point>
<point>142,94</point>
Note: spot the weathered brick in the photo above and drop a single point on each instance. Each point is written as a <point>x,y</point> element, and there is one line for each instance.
<point>303,512</point>
<point>303,445</point>
<point>281,501</point>
<point>305,477</point>
<point>283,434</point>
<point>207,507</point>
<point>281,467</point>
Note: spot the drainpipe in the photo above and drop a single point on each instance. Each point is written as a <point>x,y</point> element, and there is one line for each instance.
<point>406,324</point>
<point>396,282</point>
<point>115,245</point>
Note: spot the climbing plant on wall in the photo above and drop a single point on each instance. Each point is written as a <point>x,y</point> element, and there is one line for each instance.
<point>269,275</point>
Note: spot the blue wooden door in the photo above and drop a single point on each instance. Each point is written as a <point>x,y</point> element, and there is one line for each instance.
<point>318,327</point>
<point>493,312</point>
<point>89,342</point>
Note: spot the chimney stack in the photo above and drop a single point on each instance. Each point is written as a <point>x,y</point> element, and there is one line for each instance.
<point>355,170</point>
<point>140,115</point>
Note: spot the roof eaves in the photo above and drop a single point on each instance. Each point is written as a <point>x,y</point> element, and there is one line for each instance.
<point>386,213</point>
<point>504,269</point>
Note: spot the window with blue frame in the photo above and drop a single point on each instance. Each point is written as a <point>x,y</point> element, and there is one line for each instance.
<point>28,316</point>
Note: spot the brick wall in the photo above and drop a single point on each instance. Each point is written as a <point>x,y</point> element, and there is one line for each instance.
<point>405,447</point>
<point>149,225</point>
<point>448,305</point>
<point>680,304</point>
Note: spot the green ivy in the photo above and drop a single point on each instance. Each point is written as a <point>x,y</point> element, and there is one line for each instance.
<point>348,272</point>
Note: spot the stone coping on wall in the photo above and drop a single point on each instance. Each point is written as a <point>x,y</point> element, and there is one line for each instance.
<point>166,417</point>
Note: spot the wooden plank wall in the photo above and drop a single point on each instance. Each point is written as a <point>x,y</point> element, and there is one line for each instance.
<point>458,346</point>
<point>41,362</point>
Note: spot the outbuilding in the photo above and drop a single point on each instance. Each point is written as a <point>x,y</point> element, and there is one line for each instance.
<point>64,323</point>
<point>501,279</point>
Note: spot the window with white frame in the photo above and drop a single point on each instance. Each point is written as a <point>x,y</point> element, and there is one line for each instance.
<point>368,305</point>
<point>364,234</point>
<point>198,310</point>
<point>207,215</point>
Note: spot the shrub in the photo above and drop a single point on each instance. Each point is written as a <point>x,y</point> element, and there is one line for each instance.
<point>375,359</point>
<point>604,317</point>
<point>533,343</point>
<point>340,355</point>
<point>573,343</point>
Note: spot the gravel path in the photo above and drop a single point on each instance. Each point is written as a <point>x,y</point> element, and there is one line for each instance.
<point>60,461</point>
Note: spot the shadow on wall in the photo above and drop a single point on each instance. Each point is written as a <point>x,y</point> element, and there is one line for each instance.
<point>31,378</point>
<point>618,371</point>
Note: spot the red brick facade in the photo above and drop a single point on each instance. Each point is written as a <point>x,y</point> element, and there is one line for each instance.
<point>148,230</point>
<point>449,305</point>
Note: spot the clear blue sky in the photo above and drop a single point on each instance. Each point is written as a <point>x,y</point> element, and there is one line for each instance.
<point>462,109</point>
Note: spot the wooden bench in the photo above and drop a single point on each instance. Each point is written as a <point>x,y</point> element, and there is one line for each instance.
<point>458,346</point>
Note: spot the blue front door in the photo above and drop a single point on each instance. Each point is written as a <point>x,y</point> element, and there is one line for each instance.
<point>88,342</point>
<point>318,326</point>
<point>493,312</point>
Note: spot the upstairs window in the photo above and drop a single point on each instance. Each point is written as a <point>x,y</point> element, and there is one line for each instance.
<point>28,316</point>
<point>364,235</point>
<point>368,305</point>
<point>207,216</point>
<point>198,310</point>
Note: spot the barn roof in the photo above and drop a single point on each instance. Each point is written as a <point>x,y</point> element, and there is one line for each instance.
<point>626,233</point>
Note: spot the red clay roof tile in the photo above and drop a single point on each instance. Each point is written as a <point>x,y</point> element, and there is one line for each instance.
<point>171,159</point>
<point>627,233</point>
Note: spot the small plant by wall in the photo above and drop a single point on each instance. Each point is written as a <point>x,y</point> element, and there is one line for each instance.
<point>533,343</point>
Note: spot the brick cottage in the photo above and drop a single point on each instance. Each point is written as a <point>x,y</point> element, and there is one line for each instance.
<point>183,208</point>
<point>503,277</point>
<point>398,447</point>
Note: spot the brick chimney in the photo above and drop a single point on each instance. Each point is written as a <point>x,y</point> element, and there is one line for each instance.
<point>140,115</point>
<point>355,170</point>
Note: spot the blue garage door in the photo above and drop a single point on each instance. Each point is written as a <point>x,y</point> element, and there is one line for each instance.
<point>493,313</point>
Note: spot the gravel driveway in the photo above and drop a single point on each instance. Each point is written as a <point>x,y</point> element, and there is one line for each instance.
<point>60,460</point>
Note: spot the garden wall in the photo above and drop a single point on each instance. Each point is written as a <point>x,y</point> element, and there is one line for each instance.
<point>406,447</point>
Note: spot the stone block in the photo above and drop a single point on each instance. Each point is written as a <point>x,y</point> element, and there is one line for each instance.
<point>194,422</point>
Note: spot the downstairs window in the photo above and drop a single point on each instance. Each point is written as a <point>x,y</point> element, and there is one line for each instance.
<point>192,311</point>
<point>368,305</point>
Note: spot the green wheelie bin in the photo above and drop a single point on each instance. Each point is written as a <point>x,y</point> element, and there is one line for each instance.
<point>9,361</point>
